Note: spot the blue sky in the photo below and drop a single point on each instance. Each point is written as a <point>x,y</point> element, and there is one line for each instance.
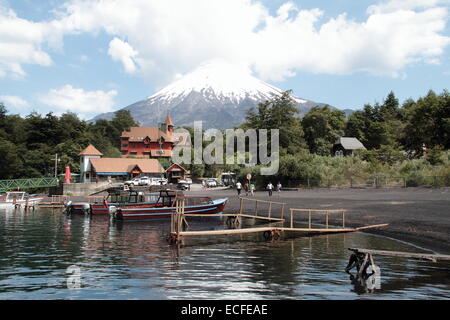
<point>91,56</point>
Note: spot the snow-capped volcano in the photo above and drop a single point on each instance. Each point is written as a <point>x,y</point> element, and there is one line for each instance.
<point>216,92</point>
<point>224,80</point>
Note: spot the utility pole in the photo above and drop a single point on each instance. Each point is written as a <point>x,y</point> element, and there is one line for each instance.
<point>56,165</point>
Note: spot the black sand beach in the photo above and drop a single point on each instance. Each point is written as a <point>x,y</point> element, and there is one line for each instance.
<point>420,216</point>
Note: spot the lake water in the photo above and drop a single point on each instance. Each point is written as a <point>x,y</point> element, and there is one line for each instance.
<point>46,255</point>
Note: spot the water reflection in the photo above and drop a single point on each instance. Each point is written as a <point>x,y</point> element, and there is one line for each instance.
<point>132,260</point>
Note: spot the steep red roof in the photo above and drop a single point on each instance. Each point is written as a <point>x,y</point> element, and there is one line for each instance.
<point>90,151</point>
<point>176,167</point>
<point>136,134</point>
<point>169,121</point>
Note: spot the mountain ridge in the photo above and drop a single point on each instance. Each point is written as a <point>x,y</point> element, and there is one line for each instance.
<point>217,93</point>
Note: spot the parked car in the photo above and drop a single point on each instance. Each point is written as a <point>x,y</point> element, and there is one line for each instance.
<point>211,183</point>
<point>132,182</point>
<point>219,182</point>
<point>144,181</point>
<point>186,181</point>
<point>162,181</point>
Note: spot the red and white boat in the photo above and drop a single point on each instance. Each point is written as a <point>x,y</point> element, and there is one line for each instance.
<point>117,198</point>
<point>165,206</point>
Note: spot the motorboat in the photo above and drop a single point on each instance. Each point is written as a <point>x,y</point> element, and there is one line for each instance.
<point>19,198</point>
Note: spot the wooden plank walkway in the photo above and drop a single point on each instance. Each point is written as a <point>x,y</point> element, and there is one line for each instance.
<point>233,215</point>
<point>263,229</point>
<point>422,256</point>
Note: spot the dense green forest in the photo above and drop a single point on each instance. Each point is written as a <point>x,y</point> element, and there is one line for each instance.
<point>28,145</point>
<point>394,134</point>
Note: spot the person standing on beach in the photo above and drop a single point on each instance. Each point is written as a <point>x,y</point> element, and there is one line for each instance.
<point>239,188</point>
<point>270,188</point>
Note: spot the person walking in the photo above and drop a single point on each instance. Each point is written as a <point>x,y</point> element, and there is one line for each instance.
<point>247,189</point>
<point>279,188</point>
<point>270,188</point>
<point>239,188</point>
<point>252,189</point>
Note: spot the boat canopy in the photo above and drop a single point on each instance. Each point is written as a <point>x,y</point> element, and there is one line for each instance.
<point>17,195</point>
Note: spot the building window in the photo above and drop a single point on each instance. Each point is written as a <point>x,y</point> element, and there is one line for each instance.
<point>124,145</point>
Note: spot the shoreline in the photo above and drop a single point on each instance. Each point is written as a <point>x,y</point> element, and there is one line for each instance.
<point>418,216</point>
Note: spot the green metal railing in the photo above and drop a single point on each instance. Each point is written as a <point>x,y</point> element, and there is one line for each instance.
<point>35,183</point>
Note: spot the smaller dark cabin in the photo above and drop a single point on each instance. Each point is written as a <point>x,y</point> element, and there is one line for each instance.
<point>175,173</point>
<point>345,146</point>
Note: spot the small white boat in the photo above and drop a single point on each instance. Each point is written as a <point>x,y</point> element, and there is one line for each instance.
<point>16,198</point>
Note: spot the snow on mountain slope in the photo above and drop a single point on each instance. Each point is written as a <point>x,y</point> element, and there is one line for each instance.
<point>217,92</point>
<point>226,81</point>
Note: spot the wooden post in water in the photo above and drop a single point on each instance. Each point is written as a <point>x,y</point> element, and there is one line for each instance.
<point>309,219</point>
<point>292,219</point>
<point>343,219</point>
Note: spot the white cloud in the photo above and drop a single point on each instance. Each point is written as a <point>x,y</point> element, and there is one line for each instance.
<point>395,5</point>
<point>14,102</point>
<point>85,103</point>
<point>123,52</point>
<point>175,35</point>
<point>20,43</point>
<point>164,38</point>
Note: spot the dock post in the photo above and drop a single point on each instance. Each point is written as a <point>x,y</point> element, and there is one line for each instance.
<point>241,206</point>
<point>309,219</point>
<point>176,222</point>
<point>326,219</point>
<point>343,219</point>
<point>270,209</point>
<point>292,219</point>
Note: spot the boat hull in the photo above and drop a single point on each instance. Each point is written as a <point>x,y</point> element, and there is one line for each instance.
<point>101,208</point>
<point>10,204</point>
<point>125,214</point>
<point>78,208</point>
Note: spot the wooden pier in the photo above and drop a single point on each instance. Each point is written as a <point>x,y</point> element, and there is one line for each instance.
<point>179,224</point>
<point>409,255</point>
